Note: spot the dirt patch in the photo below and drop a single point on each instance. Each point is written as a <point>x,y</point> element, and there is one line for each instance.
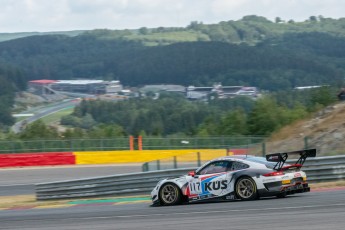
<point>334,184</point>
<point>324,130</point>
<point>25,201</point>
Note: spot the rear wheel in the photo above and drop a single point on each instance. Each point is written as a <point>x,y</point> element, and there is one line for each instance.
<point>245,188</point>
<point>170,194</point>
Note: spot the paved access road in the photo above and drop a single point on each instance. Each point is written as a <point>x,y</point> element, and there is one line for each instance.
<point>315,210</point>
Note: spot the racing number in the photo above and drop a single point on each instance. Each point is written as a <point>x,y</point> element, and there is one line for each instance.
<point>194,187</point>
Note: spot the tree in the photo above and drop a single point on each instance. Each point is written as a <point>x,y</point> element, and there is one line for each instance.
<point>143,31</point>
<point>313,18</point>
<point>264,118</point>
<point>323,96</point>
<point>233,123</point>
<point>38,130</point>
<point>278,20</point>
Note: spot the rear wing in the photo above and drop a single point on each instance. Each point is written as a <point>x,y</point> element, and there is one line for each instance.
<point>281,158</point>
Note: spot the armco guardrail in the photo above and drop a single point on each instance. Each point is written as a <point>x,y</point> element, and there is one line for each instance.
<point>124,184</point>
<point>319,169</point>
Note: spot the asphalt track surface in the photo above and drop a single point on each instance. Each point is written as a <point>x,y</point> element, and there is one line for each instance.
<point>21,181</point>
<point>45,111</point>
<point>315,210</point>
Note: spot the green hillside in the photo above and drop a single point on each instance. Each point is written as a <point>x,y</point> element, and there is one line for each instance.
<point>11,36</point>
<point>252,51</point>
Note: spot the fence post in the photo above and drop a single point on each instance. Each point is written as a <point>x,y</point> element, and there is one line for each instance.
<point>175,162</point>
<point>199,160</point>
<point>140,143</point>
<point>263,149</point>
<point>306,143</point>
<point>131,143</point>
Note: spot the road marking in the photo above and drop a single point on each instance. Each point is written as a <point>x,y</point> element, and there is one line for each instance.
<point>115,200</point>
<point>54,206</point>
<point>211,212</point>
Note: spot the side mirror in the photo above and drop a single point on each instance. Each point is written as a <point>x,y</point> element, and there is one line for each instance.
<point>191,173</point>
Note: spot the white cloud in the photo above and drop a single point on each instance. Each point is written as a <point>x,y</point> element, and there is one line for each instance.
<point>52,15</point>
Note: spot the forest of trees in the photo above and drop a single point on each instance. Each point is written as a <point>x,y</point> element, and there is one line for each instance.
<point>11,81</point>
<point>173,116</point>
<point>293,60</point>
<point>273,56</point>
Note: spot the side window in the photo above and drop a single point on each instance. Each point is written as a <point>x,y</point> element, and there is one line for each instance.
<point>238,166</point>
<point>215,167</point>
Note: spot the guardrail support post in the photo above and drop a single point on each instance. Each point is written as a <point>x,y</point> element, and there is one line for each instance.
<point>263,149</point>
<point>145,167</point>
<point>199,160</point>
<point>158,165</point>
<point>175,162</point>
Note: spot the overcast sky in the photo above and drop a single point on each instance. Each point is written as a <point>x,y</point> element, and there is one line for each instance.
<point>66,15</point>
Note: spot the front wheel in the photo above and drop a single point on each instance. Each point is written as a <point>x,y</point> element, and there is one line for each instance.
<point>170,194</point>
<point>246,188</point>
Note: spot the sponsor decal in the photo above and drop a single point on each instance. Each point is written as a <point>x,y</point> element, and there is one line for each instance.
<point>269,180</point>
<point>297,175</point>
<point>215,185</point>
<point>273,158</point>
<point>286,181</point>
<point>230,197</point>
<point>194,187</point>
<point>208,186</point>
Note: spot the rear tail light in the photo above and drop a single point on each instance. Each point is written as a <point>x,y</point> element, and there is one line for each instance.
<point>280,173</point>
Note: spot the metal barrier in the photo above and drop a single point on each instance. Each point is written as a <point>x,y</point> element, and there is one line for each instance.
<point>123,184</point>
<point>319,169</point>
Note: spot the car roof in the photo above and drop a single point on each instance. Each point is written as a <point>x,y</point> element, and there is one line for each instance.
<point>248,159</point>
<point>234,157</point>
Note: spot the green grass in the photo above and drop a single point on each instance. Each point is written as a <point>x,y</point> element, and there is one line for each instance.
<point>57,116</point>
<point>170,37</point>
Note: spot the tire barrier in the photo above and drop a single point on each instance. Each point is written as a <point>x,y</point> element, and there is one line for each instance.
<point>321,169</point>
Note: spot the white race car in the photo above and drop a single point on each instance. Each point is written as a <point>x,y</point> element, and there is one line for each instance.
<point>237,177</point>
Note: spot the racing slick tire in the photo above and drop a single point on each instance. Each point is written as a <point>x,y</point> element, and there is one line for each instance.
<point>170,194</point>
<point>245,188</point>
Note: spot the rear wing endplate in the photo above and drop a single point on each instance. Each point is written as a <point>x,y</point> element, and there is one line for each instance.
<point>281,158</point>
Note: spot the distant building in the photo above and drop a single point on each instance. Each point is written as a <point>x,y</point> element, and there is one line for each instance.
<point>163,87</point>
<point>75,86</point>
<point>203,93</point>
<point>198,93</point>
<point>41,86</point>
<point>310,87</point>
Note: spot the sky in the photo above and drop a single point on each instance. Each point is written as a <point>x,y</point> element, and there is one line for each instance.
<point>67,15</point>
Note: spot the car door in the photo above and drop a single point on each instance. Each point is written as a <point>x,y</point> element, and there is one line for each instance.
<point>210,181</point>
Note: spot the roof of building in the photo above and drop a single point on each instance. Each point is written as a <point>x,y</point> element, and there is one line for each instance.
<point>43,82</point>
<point>79,82</point>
